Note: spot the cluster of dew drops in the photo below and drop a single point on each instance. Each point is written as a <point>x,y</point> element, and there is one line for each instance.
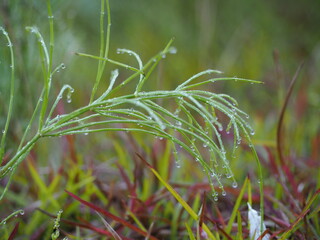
<point>205,144</point>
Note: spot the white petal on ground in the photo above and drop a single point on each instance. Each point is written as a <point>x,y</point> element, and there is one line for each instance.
<point>254,223</point>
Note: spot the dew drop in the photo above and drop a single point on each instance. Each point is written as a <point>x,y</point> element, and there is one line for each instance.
<point>223,193</point>
<point>252,132</point>
<point>215,198</point>
<point>173,50</point>
<point>228,175</point>
<point>234,184</point>
<point>85,133</point>
<point>178,164</point>
<point>63,66</point>
<point>178,123</point>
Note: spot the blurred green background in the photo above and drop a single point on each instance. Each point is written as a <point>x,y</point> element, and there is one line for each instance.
<point>261,40</point>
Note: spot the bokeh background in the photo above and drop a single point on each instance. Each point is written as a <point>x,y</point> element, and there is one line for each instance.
<point>260,40</point>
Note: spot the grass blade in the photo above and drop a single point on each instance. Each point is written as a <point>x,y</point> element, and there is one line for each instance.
<point>178,198</point>
<point>14,231</point>
<point>110,215</point>
<point>236,207</point>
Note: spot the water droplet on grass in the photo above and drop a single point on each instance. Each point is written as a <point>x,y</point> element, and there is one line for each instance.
<point>223,193</point>
<point>173,50</point>
<point>234,184</point>
<point>178,164</point>
<point>228,175</point>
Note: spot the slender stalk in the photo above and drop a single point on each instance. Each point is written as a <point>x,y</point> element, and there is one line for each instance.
<point>48,73</point>
<point>104,50</point>
<point>17,158</point>
<point>12,90</point>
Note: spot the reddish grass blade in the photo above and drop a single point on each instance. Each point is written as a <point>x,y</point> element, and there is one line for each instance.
<point>107,214</point>
<point>284,163</point>
<point>305,211</point>
<point>83,225</point>
<point>14,231</point>
<point>281,117</point>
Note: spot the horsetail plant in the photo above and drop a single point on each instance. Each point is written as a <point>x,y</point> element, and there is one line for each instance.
<point>192,127</point>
